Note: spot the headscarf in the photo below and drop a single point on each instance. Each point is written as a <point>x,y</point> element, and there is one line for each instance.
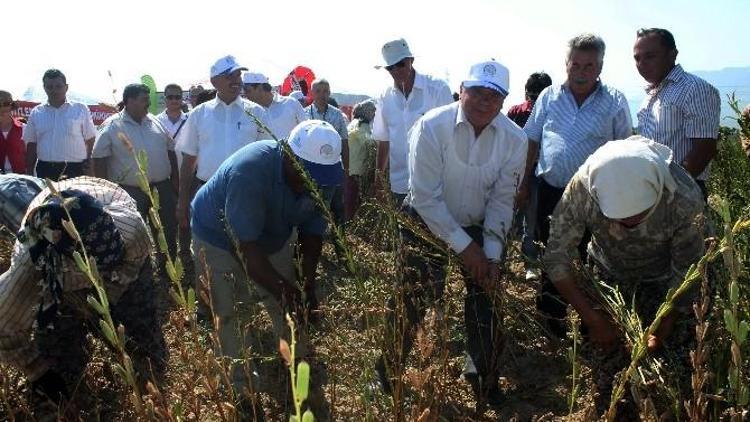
<point>364,111</point>
<point>49,242</point>
<point>629,176</point>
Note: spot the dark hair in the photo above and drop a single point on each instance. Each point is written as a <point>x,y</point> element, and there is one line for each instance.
<point>172,86</point>
<point>666,37</point>
<point>265,85</point>
<point>205,95</point>
<point>332,101</point>
<point>133,91</point>
<point>13,103</point>
<point>537,82</point>
<point>54,73</point>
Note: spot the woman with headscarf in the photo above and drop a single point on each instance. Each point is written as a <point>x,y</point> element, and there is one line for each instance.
<point>12,147</point>
<point>644,213</point>
<point>361,156</point>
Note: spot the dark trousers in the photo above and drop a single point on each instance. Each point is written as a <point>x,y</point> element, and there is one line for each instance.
<point>422,287</point>
<point>548,301</point>
<point>55,171</point>
<point>167,211</point>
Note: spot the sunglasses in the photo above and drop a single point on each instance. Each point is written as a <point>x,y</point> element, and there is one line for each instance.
<point>6,104</point>
<point>173,97</point>
<point>398,65</point>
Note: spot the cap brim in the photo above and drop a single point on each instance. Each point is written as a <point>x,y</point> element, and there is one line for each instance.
<point>485,84</point>
<point>325,174</point>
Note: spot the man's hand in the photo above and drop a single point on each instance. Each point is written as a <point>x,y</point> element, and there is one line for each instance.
<point>492,282</point>
<point>657,339</point>
<point>602,332</point>
<point>475,261</point>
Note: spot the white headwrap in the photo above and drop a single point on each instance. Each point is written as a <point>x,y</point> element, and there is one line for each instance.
<point>629,176</point>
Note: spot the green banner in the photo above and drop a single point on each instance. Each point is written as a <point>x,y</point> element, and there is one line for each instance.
<point>154,97</point>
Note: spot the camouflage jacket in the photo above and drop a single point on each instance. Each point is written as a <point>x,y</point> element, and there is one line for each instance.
<point>659,250</point>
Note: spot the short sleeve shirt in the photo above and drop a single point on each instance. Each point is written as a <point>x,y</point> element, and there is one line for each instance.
<point>60,132</point>
<point>148,135</point>
<point>249,200</point>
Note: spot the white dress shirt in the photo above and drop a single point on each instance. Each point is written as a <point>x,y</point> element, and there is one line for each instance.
<point>215,130</point>
<point>170,126</point>
<point>285,113</point>
<point>60,132</point>
<point>457,179</point>
<point>396,114</point>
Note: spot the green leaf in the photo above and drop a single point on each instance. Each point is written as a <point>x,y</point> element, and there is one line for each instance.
<point>191,300</point>
<point>80,262</point>
<point>742,332</point>
<point>163,242</point>
<point>179,268</point>
<point>303,381</point>
<point>108,332</point>
<point>730,322</point>
<point>170,270</point>
<point>95,304</point>
<point>308,416</point>
<point>155,198</point>
<point>734,292</point>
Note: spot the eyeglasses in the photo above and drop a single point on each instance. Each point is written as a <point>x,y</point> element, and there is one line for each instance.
<point>173,97</point>
<point>6,104</point>
<point>399,65</point>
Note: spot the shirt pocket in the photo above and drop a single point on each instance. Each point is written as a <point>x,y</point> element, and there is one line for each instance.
<point>668,118</point>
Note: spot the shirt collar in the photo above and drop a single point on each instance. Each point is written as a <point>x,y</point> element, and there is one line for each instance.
<point>127,119</point>
<point>674,75</point>
<point>461,118</point>
<point>238,102</point>
<point>67,102</point>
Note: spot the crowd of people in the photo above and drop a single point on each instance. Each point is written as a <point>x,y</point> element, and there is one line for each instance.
<point>565,164</point>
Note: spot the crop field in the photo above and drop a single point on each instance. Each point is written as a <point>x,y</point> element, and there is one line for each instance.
<point>542,379</point>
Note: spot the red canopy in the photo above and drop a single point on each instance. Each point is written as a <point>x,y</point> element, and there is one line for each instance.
<point>299,79</point>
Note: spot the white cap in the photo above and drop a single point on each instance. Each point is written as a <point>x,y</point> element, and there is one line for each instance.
<point>489,74</point>
<point>395,51</point>
<point>254,78</point>
<point>318,144</point>
<point>226,64</point>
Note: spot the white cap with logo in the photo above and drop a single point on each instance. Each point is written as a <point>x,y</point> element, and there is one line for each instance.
<point>490,74</point>
<point>226,64</point>
<point>254,78</point>
<point>318,145</point>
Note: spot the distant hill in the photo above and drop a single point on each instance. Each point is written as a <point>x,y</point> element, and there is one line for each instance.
<point>728,80</point>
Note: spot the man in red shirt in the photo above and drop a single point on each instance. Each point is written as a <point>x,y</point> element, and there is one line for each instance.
<point>526,216</point>
<point>519,113</point>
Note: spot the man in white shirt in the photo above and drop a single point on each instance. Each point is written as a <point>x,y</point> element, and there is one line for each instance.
<point>216,129</point>
<point>173,118</point>
<point>284,113</point>
<point>60,133</point>
<point>398,107</point>
<point>465,162</point>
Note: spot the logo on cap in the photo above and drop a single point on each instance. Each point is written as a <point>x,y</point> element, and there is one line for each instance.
<point>489,70</point>
<point>326,150</point>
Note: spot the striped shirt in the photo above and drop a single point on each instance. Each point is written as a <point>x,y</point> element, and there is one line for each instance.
<point>681,108</point>
<point>59,132</point>
<point>567,134</point>
<point>20,285</point>
<point>332,115</point>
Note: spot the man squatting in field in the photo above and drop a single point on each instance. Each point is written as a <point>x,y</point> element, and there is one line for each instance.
<point>465,162</point>
<point>43,286</point>
<point>245,221</point>
<point>644,213</point>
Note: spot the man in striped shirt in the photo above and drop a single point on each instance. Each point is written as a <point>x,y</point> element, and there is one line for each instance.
<point>26,297</point>
<point>569,122</point>
<point>680,110</point>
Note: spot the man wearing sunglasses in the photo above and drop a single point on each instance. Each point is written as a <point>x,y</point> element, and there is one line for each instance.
<point>398,107</point>
<point>284,112</point>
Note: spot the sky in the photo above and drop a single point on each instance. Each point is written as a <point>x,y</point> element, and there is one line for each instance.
<point>341,40</point>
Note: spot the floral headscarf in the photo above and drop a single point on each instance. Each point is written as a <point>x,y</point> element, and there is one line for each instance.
<point>49,241</point>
